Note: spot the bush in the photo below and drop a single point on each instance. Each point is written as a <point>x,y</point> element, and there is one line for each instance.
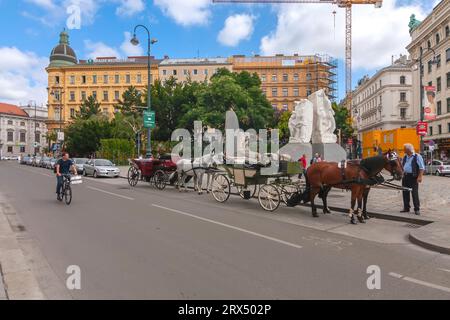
<point>116,150</point>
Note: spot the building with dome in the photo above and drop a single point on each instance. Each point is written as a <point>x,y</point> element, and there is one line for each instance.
<point>71,81</point>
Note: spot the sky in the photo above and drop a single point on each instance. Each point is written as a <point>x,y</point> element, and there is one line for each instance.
<point>191,28</point>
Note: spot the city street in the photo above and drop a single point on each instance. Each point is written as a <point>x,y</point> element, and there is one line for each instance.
<point>143,243</point>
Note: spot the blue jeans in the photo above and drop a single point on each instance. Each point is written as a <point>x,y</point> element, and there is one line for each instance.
<point>59,183</point>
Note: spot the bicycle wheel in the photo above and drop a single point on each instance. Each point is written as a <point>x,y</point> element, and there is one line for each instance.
<point>269,197</point>
<point>68,194</point>
<point>160,179</point>
<point>221,188</point>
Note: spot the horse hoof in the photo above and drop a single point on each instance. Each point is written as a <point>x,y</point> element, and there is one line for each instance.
<point>366,217</point>
<point>361,219</point>
<point>315,215</point>
<point>352,221</point>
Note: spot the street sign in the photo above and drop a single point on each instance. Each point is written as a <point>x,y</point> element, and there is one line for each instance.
<point>60,136</point>
<point>149,119</point>
<point>350,141</point>
<point>422,128</point>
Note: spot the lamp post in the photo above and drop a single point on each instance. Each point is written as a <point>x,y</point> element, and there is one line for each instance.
<point>57,94</point>
<point>422,97</point>
<point>135,41</point>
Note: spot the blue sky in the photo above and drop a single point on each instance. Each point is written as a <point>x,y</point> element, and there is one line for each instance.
<point>186,28</point>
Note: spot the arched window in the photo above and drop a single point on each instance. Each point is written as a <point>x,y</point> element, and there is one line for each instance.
<point>402,80</point>
<point>429,43</point>
<point>438,38</point>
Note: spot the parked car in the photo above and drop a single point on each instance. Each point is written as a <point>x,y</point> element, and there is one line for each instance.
<point>30,161</point>
<point>24,160</point>
<point>36,161</point>
<point>52,163</point>
<point>5,158</point>
<point>44,162</point>
<point>79,163</point>
<point>100,168</point>
<point>439,168</point>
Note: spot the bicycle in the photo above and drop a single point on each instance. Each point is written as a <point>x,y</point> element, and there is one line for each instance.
<point>66,190</point>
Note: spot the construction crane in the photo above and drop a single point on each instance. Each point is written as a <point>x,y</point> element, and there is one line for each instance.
<point>347,4</point>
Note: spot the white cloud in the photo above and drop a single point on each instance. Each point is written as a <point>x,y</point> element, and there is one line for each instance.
<point>377,33</point>
<point>46,4</point>
<point>22,76</point>
<point>237,28</point>
<point>99,49</point>
<point>128,49</point>
<point>129,8</point>
<point>186,12</point>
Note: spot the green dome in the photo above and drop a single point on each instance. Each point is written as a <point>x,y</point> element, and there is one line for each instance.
<point>63,54</point>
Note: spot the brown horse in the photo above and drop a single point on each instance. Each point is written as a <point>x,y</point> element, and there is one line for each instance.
<point>353,175</point>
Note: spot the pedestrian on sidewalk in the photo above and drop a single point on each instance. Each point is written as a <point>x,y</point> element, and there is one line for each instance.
<point>315,158</point>
<point>303,163</point>
<point>413,167</point>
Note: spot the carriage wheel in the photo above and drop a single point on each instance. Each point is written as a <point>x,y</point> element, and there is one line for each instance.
<point>221,188</point>
<point>269,197</point>
<point>133,176</point>
<point>160,179</point>
<point>251,188</point>
<point>287,191</point>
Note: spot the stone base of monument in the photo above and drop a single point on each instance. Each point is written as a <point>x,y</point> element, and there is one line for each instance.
<point>330,151</point>
<point>296,150</point>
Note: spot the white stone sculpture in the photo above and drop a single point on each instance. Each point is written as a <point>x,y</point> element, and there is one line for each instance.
<point>324,122</point>
<point>301,122</point>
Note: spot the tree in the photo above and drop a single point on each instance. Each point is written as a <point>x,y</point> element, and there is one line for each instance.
<point>50,137</point>
<point>343,120</point>
<point>283,126</point>
<point>90,107</point>
<point>131,102</point>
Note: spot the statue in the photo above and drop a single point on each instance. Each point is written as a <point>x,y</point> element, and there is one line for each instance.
<point>301,121</point>
<point>413,23</point>
<point>324,122</point>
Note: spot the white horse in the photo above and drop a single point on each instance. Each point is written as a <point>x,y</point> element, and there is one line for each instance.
<point>197,168</point>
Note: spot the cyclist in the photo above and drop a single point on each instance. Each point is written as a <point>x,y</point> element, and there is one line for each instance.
<point>63,167</point>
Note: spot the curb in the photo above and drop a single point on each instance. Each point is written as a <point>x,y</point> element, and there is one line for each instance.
<point>435,237</point>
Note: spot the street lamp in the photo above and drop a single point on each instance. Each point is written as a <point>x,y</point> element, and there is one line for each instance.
<point>57,94</point>
<point>135,41</point>
<point>422,97</point>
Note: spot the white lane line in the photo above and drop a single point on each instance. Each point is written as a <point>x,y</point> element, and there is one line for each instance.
<point>231,227</point>
<point>422,283</point>
<point>446,270</point>
<point>111,193</point>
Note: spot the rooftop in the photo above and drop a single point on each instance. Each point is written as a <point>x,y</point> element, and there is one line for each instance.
<point>194,61</point>
<point>10,109</point>
<point>118,61</point>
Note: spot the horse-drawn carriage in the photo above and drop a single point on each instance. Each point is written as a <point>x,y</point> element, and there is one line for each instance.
<point>157,172</point>
<point>272,188</point>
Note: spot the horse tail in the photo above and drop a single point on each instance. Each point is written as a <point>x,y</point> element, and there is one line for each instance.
<point>307,193</point>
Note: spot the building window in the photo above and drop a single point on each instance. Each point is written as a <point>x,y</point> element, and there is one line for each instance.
<point>296,92</point>
<point>72,113</point>
<point>174,72</point>
<point>438,38</point>
<point>57,79</point>
<point>430,66</point>
<point>431,130</point>
<point>274,106</point>
<point>57,114</point>
<point>264,91</point>
<point>447,31</point>
<point>10,137</point>
<point>185,72</point>
<point>22,149</point>
<point>22,124</point>
<point>37,125</point>
<point>37,137</point>
<point>83,95</point>
<point>116,78</point>
<point>83,79</point>
<point>402,80</point>
<point>438,61</point>
<point>72,80</point>
<point>105,96</point>
<point>116,95</point>
<point>127,78</point>
<point>447,55</point>
<point>94,79</point>
<point>285,92</point>
<point>448,105</point>
<point>403,113</point>
<point>308,76</point>
<point>429,44</point>
<point>105,79</point>
<point>438,84</point>
<point>448,127</point>
<point>10,149</point>
<point>439,108</point>
<point>23,137</point>
<point>139,78</point>
<point>295,76</point>
<point>274,92</point>
<point>308,92</point>
<point>205,72</point>
<point>274,78</point>
<point>72,95</point>
<point>439,129</point>
<point>285,107</point>
<point>263,78</point>
<point>10,122</point>
<point>164,72</point>
<point>195,72</point>
<point>94,95</point>
<point>402,96</point>
<point>285,77</point>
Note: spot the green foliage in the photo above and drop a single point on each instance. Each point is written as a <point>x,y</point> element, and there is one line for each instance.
<point>283,126</point>
<point>343,120</point>
<point>90,107</point>
<point>131,103</point>
<point>116,150</point>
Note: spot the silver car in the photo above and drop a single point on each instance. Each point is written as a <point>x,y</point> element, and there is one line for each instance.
<point>439,168</point>
<point>79,163</point>
<point>100,168</point>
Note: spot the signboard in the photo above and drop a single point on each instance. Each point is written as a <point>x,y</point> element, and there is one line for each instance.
<point>429,103</point>
<point>60,136</point>
<point>350,141</point>
<point>288,63</point>
<point>422,128</point>
<point>149,119</point>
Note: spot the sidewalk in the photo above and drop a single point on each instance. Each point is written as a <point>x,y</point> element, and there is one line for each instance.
<point>17,280</point>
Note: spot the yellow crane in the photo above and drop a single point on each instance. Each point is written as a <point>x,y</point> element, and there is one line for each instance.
<point>347,4</point>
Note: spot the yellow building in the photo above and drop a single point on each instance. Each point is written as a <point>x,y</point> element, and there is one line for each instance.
<point>70,81</point>
<point>389,140</point>
<point>286,79</point>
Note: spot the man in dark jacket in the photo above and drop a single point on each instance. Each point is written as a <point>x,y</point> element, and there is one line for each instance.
<point>413,167</point>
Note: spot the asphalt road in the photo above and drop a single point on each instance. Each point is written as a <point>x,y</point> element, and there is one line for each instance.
<point>143,243</point>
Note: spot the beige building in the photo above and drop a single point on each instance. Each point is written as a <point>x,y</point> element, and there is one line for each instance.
<point>384,101</point>
<point>197,69</point>
<point>432,38</point>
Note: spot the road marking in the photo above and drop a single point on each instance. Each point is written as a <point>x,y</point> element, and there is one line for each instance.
<point>111,193</point>
<point>231,227</point>
<point>422,283</point>
<point>446,270</point>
